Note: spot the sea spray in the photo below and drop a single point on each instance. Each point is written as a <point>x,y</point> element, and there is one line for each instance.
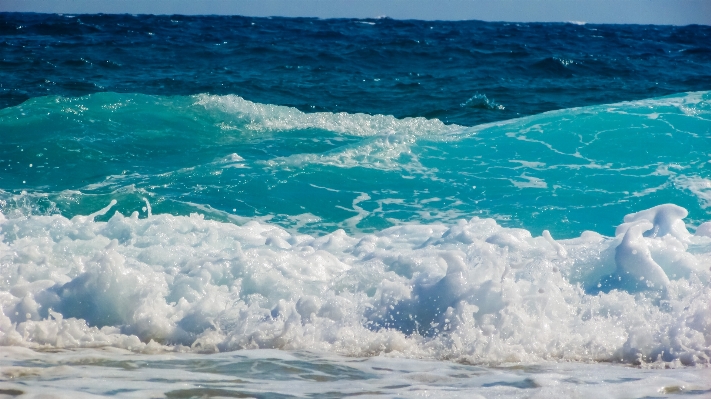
<point>472,291</point>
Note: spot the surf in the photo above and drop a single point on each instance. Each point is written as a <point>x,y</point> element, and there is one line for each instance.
<point>473,291</point>
<point>565,171</point>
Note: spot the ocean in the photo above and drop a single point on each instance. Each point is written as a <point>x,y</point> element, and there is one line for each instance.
<point>212,206</point>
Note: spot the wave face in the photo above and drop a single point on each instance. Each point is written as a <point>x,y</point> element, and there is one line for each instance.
<point>236,225</point>
<point>565,171</point>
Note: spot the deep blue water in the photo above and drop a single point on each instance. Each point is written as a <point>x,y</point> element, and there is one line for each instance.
<point>434,69</point>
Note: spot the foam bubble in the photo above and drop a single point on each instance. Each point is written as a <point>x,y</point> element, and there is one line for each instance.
<point>473,291</point>
<point>700,187</point>
<point>269,117</point>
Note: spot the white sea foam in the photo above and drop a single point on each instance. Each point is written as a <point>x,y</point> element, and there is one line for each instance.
<point>269,117</point>
<point>387,152</point>
<point>388,147</point>
<point>698,186</point>
<point>473,291</point>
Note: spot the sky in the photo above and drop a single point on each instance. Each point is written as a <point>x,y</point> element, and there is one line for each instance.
<point>660,12</point>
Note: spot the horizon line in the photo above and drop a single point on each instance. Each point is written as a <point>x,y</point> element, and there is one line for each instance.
<point>384,17</point>
<point>593,12</point>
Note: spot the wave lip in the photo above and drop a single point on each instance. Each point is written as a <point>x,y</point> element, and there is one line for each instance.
<point>472,291</point>
<point>268,117</point>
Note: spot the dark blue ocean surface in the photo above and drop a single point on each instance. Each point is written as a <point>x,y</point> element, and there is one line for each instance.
<point>459,72</point>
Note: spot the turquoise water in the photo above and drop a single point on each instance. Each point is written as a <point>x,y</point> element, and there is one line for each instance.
<point>566,171</point>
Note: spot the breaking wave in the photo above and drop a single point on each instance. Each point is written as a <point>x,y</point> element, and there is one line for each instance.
<point>472,291</point>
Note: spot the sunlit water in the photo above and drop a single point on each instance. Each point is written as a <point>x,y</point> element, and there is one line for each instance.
<point>268,233</point>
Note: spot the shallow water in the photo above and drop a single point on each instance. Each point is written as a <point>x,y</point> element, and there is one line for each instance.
<point>211,222</point>
<point>566,171</point>
<point>279,374</point>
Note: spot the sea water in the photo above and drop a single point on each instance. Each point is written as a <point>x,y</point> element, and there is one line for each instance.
<point>254,207</point>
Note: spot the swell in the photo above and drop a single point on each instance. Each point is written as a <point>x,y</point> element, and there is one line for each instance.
<point>355,232</point>
<point>565,171</point>
<point>401,68</point>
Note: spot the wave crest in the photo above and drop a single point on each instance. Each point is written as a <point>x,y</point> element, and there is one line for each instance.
<point>472,291</point>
